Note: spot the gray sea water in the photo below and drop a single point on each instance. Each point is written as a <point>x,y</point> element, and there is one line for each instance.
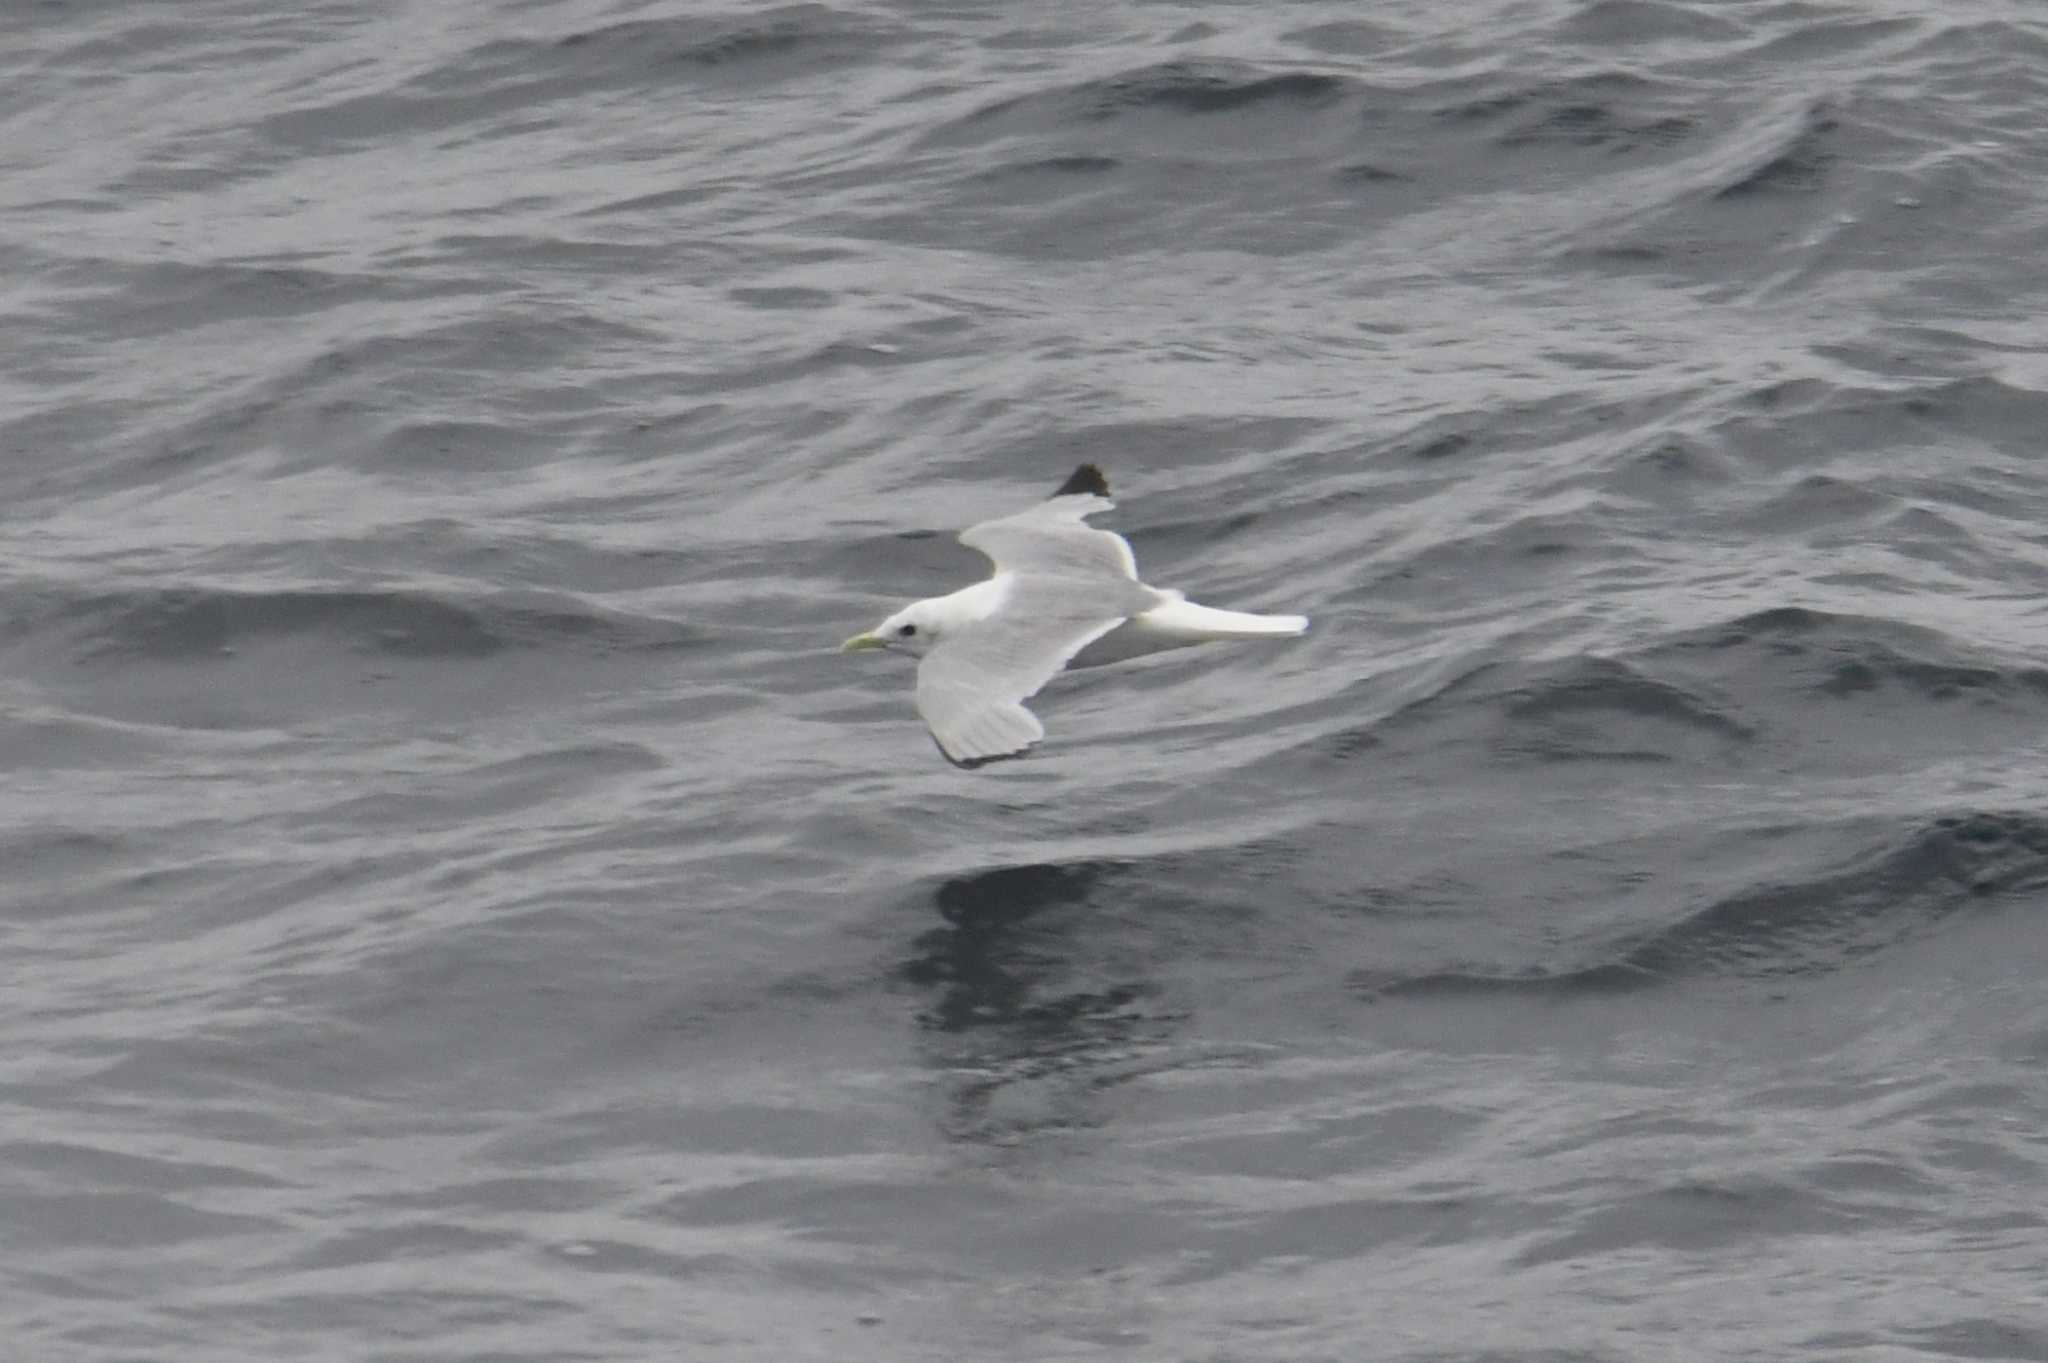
<point>456,905</point>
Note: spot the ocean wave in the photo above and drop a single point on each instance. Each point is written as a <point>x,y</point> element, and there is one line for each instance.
<point>1902,885</point>
<point>1806,655</point>
<point>1176,87</point>
<point>1725,694</point>
<point>526,75</point>
<point>182,623</point>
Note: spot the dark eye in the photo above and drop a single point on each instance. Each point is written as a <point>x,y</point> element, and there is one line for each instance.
<point>907,631</point>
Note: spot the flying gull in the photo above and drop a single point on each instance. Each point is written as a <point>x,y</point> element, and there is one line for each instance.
<point>1063,595</point>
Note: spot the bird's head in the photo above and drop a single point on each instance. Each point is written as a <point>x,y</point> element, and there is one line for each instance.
<point>915,630</point>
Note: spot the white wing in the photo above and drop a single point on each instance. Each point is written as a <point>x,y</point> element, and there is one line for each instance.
<point>1051,538</point>
<point>971,687</point>
<point>1064,586</point>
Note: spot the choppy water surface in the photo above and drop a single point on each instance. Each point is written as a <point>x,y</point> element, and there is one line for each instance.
<point>457,906</point>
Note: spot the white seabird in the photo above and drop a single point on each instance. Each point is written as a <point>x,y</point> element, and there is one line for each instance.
<point>1063,595</point>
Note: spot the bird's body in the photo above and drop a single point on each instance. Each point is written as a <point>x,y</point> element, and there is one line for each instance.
<point>1063,595</point>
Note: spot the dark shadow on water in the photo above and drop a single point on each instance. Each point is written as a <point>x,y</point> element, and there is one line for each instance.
<point>986,964</point>
<point>1035,1001</point>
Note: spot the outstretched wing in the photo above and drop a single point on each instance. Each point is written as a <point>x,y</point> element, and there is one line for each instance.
<point>1053,538</point>
<point>971,688</point>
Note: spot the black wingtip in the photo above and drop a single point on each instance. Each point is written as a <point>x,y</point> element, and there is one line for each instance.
<point>1085,481</point>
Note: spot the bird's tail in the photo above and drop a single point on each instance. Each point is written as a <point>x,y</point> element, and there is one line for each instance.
<point>1183,620</point>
